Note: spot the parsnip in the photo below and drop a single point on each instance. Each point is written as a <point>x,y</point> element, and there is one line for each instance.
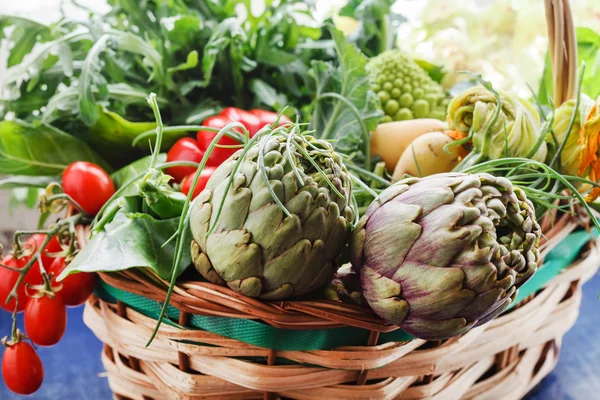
<point>427,152</point>
<point>390,139</point>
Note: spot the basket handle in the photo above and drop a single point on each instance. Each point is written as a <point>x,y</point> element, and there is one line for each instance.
<point>563,49</point>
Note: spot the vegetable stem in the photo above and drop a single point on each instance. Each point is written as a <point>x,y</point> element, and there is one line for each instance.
<point>356,113</point>
<point>50,233</point>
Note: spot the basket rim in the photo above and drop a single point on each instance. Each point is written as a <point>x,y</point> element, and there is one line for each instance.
<point>203,298</point>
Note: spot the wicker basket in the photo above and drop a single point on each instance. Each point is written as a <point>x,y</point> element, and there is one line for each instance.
<point>503,359</point>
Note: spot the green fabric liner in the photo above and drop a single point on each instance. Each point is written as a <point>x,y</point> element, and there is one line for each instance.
<point>263,335</point>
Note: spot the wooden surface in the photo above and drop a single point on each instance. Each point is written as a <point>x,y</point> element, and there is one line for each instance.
<point>74,371</point>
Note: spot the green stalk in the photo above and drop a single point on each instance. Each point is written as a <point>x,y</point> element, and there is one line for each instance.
<point>183,221</point>
<point>356,113</point>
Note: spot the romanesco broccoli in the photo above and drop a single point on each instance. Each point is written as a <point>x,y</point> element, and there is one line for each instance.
<point>404,88</point>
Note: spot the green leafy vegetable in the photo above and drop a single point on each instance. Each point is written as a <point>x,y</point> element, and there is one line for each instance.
<point>132,170</point>
<point>376,24</point>
<point>42,150</point>
<point>132,240</point>
<point>353,111</point>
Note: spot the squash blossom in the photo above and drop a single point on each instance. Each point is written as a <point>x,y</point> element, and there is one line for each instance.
<point>580,153</point>
<point>511,131</point>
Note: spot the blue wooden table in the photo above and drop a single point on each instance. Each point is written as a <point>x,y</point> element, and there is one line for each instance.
<point>73,369</point>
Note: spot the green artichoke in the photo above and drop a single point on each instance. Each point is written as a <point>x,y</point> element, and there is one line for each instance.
<point>445,253</point>
<point>278,238</point>
<point>513,130</point>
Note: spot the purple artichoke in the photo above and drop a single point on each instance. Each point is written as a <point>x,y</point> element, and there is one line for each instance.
<point>442,254</point>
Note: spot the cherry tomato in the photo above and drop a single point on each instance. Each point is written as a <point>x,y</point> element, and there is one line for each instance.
<point>184,149</point>
<point>76,288</point>
<point>250,121</point>
<point>36,240</point>
<point>22,368</point>
<point>8,279</point>
<point>202,181</point>
<point>88,184</point>
<point>269,117</point>
<point>218,155</point>
<point>45,319</point>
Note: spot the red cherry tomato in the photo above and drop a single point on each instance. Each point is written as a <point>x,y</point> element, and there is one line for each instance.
<point>250,121</point>
<point>218,155</point>
<point>36,240</point>
<point>269,117</point>
<point>88,184</point>
<point>184,149</point>
<point>8,279</point>
<point>202,181</point>
<point>45,319</point>
<point>22,368</point>
<point>76,288</point>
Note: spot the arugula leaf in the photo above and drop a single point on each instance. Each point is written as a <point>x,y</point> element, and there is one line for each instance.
<point>134,169</point>
<point>266,94</point>
<point>24,36</point>
<point>335,118</point>
<point>42,150</point>
<point>91,80</point>
<point>588,50</point>
<point>227,35</point>
<point>191,62</point>
<point>132,240</point>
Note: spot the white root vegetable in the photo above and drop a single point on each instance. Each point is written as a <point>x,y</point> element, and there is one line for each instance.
<point>390,139</point>
<point>426,156</point>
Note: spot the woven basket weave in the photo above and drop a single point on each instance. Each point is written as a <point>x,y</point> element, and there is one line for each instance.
<point>499,360</point>
<point>503,359</point>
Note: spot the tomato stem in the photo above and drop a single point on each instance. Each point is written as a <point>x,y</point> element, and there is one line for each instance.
<point>63,196</point>
<point>9,268</point>
<point>15,332</point>
<point>50,233</point>
<point>72,249</point>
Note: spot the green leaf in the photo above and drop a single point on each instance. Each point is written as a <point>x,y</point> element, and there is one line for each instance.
<point>191,62</point>
<point>133,240</point>
<point>87,105</point>
<point>33,64</point>
<point>132,170</point>
<point>377,24</point>
<point>186,31</point>
<point>26,33</point>
<point>91,80</point>
<point>435,72</point>
<point>19,181</point>
<point>268,54</point>
<point>228,34</point>
<point>43,150</point>
<point>333,119</point>
<point>266,94</point>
